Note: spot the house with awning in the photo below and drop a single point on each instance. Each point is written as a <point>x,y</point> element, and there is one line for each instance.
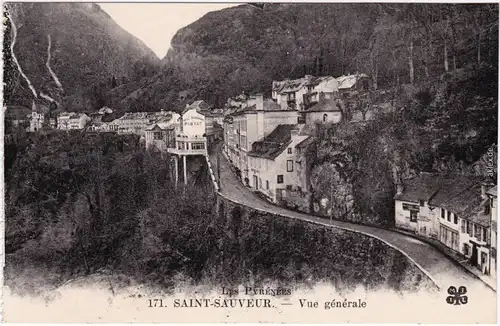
<point>453,209</point>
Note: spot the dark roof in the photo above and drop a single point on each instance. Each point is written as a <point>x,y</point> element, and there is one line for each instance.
<point>324,105</point>
<point>456,193</point>
<point>273,144</point>
<point>110,117</point>
<point>200,106</point>
<point>269,106</point>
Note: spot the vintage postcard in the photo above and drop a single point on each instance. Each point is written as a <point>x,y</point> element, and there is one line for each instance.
<point>250,162</point>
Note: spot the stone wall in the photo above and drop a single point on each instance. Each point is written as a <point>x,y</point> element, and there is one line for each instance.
<point>293,250</point>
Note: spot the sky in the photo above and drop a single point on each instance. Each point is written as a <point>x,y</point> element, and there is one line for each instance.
<point>156,23</point>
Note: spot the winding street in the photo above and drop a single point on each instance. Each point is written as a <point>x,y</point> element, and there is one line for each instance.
<point>443,271</point>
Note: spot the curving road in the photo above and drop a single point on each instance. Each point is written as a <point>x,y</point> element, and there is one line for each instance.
<point>435,264</point>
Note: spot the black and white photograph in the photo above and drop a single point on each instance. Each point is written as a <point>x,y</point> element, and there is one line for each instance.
<point>271,162</point>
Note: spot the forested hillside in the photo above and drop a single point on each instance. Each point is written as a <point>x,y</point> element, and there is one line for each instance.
<point>98,203</point>
<point>443,128</point>
<point>244,48</point>
<point>70,53</point>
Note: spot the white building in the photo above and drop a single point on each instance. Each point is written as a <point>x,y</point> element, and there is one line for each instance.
<point>272,162</point>
<point>161,134</point>
<point>248,124</point>
<point>99,126</point>
<point>352,83</point>
<point>191,139</point>
<point>303,92</point>
<point>38,116</point>
<point>325,111</point>
<point>72,120</point>
<point>135,122</point>
<point>451,209</point>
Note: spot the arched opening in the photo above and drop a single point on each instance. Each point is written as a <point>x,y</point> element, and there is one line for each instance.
<point>325,117</point>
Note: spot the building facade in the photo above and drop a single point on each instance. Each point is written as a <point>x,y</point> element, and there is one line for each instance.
<point>161,135</point>
<point>272,164</point>
<point>135,122</point>
<point>72,120</point>
<point>191,139</point>
<point>325,111</point>
<point>454,210</point>
<point>248,124</point>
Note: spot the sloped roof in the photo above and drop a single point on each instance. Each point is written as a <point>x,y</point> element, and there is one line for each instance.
<point>268,104</point>
<point>324,105</point>
<point>199,105</point>
<point>456,193</point>
<point>72,115</point>
<point>293,85</point>
<point>346,82</point>
<point>273,144</point>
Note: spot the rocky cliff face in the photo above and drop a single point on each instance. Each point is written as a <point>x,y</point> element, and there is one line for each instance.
<point>69,52</point>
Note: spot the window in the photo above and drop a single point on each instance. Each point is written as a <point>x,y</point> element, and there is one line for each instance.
<point>487,208</point>
<point>267,184</point>
<point>449,216</point>
<point>462,226</point>
<point>289,150</point>
<point>289,187</point>
<point>289,166</point>
<point>442,212</point>
<point>280,178</point>
<point>454,240</point>
<point>422,203</point>
<point>195,146</point>
<point>484,258</point>
<point>469,228</point>
<point>485,235</point>
<point>325,117</point>
<point>260,183</point>
<point>157,135</point>
<point>478,232</point>
<point>455,218</point>
<point>413,216</point>
<point>465,249</point>
<point>444,235</point>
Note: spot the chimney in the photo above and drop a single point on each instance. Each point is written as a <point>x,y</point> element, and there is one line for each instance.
<point>294,133</point>
<point>259,98</point>
<point>483,190</point>
<point>399,188</point>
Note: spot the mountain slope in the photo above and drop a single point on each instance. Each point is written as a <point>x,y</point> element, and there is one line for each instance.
<point>244,48</point>
<point>87,49</point>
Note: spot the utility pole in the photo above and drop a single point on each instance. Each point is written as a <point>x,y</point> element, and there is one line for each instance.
<point>218,169</point>
<point>331,205</point>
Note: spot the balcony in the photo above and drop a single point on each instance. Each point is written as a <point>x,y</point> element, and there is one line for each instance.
<point>185,145</point>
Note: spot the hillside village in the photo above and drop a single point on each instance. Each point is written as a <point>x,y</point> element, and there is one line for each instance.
<point>268,142</point>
